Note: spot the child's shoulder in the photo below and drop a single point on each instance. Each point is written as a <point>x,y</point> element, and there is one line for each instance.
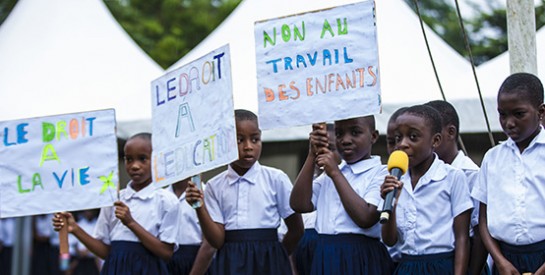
<point>166,197</point>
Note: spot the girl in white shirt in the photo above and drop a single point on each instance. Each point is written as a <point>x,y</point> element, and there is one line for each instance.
<point>138,234</point>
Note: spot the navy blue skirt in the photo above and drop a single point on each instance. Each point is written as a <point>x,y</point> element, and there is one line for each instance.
<point>183,259</point>
<point>350,254</point>
<point>251,251</point>
<point>6,254</point>
<point>525,258</point>
<point>132,258</point>
<point>305,251</point>
<point>430,264</point>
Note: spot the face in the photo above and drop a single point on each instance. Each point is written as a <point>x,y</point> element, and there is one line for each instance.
<point>446,137</point>
<point>390,137</point>
<point>414,137</point>
<point>519,118</point>
<point>354,139</point>
<point>138,161</point>
<point>249,145</point>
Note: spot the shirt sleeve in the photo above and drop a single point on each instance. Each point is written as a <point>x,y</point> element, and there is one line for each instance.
<point>170,218</point>
<point>481,182</point>
<point>212,204</point>
<point>316,187</point>
<point>372,192</point>
<point>283,191</point>
<point>460,198</point>
<point>103,226</point>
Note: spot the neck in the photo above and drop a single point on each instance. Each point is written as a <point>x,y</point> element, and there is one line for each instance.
<point>139,186</point>
<point>179,188</point>
<point>419,170</point>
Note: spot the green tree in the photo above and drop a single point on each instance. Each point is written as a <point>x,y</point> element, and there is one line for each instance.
<point>168,29</point>
<point>487,30</point>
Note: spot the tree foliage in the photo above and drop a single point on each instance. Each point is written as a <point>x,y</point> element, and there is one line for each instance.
<point>168,29</point>
<point>486,30</point>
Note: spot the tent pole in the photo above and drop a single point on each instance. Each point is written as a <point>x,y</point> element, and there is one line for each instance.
<point>521,36</point>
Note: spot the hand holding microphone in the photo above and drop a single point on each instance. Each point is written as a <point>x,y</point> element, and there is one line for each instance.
<point>398,164</point>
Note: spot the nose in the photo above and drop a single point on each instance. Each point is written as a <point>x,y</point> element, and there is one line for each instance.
<point>402,144</point>
<point>510,122</point>
<point>247,145</point>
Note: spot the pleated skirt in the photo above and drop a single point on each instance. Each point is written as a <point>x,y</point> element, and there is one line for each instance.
<point>132,258</point>
<point>525,258</point>
<point>429,264</point>
<point>305,251</point>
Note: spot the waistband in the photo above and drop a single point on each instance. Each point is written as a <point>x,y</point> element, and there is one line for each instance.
<point>346,238</point>
<point>127,246</point>
<point>516,249</point>
<point>427,257</point>
<point>241,235</point>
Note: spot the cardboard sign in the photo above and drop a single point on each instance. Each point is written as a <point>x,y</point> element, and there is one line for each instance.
<point>318,66</point>
<point>58,163</point>
<point>193,119</point>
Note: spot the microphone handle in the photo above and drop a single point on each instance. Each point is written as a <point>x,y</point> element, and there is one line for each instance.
<point>390,197</point>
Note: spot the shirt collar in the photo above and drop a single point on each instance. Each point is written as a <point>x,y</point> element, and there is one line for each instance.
<point>143,194</point>
<point>436,172</point>
<point>539,139</point>
<point>251,176</point>
<point>461,161</point>
<point>362,165</point>
<point>171,189</point>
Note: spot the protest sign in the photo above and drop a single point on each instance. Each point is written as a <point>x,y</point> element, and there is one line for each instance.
<point>193,119</point>
<point>58,163</point>
<point>318,66</point>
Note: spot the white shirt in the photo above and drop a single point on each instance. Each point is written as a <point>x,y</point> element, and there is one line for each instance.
<point>512,185</point>
<point>190,231</point>
<point>156,210</point>
<point>258,199</point>
<point>471,170</point>
<point>309,220</point>
<point>7,232</point>
<point>365,177</point>
<point>425,215</point>
<point>43,225</point>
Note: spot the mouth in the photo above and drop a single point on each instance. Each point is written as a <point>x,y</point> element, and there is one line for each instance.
<point>248,158</point>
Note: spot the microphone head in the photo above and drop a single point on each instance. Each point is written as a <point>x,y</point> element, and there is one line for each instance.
<point>398,159</point>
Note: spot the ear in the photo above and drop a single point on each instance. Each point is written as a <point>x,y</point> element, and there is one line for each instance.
<point>436,141</point>
<point>541,112</point>
<point>451,131</point>
<point>374,136</point>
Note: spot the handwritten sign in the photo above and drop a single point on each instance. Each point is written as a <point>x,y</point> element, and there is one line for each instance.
<point>57,163</point>
<point>193,119</point>
<point>317,66</point>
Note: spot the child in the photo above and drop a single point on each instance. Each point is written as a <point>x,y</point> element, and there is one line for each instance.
<point>307,245</point>
<point>511,182</point>
<point>448,152</point>
<point>137,241</point>
<point>345,198</point>
<point>430,220</point>
<point>194,254</point>
<point>243,207</point>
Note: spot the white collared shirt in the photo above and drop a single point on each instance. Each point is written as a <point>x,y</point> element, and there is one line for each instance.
<point>190,231</point>
<point>258,199</point>
<point>512,185</point>
<point>471,170</point>
<point>425,215</point>
<point>156,210</point>
<point>365,177</point>
<point>7,231</point>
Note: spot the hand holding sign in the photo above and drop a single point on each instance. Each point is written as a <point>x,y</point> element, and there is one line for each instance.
<point>194,195</point>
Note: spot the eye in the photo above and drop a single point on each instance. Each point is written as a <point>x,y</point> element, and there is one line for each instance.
<point>239,140</point>
<point>520,114</point>
<point>255,140</point>
<point>397,138</point>
<point>413,136</point>
<point>338,134</point>
<point>127,159</point>
<point>143,158</point>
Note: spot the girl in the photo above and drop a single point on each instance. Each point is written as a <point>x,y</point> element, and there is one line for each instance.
<point>430,220</point>
<point>138,241</point>
<point>242,210</point>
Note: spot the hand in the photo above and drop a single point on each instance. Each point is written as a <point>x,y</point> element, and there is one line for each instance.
<point>389,184</point>
<point>193,194</point>
<point>327,161</point>
<point>506,268</point>
<point>123,213</point>
<point>318,138</point>
<point>64,218</point>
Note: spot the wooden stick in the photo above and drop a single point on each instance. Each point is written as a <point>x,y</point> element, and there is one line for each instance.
<point>64,256</point>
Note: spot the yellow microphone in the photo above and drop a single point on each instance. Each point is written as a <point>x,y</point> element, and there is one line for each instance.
<point>398,164</point>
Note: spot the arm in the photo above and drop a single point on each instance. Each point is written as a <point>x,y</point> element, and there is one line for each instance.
<point>389,229</point>
<point>301,194</point>
<point>503,265</point>
<point>156,246</point>
<point>295,232</point>
<point>203,259</point>
<point>96,246</point>
<point>478,253</point>
<point>461,242</point>
<point>365,215</point>
<point>213,232</point>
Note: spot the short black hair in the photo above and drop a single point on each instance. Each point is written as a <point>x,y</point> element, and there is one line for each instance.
<point>369,120</point>
<point>398,112</point>
<point>143,135</point>
<point>527,85</point>
<point>429,114</point>
<point>448,113</point>
<point>242,114</point>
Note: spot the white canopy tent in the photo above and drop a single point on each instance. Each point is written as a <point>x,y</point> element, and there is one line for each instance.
<point>406,72</point>
<point>62,56</point>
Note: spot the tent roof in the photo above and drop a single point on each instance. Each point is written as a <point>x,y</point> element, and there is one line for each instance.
<point>62,56</point>
<point>406,72</point>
